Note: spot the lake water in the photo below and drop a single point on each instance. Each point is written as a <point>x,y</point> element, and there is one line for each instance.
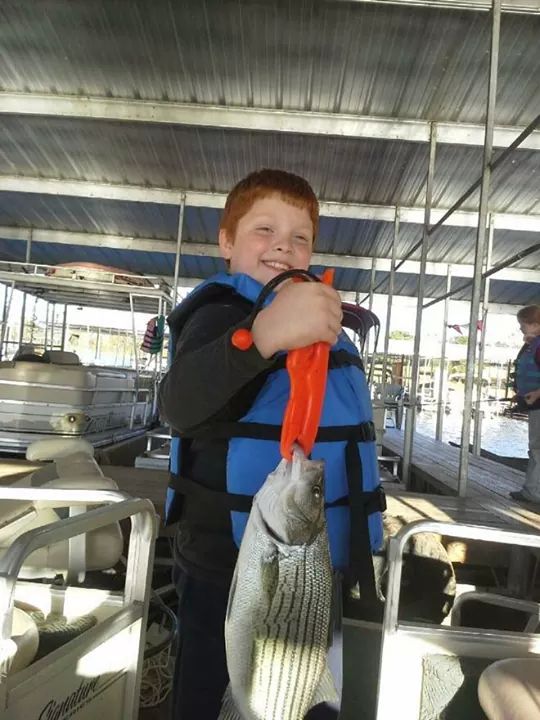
<point>501,435</point>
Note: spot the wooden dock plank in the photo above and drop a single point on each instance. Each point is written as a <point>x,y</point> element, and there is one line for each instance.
<point>489,483</point>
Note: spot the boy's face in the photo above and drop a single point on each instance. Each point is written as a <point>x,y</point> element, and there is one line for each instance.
<point>270,238</point>
<point>529,330</point>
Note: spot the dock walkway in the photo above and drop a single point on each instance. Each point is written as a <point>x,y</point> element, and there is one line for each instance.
<point>435,470</point>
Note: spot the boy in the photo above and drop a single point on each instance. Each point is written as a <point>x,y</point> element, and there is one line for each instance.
<point>528,395</point>
<point>226,407</point>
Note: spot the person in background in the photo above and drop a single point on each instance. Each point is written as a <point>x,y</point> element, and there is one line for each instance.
<point>225,407</point>
<point>527,386</point>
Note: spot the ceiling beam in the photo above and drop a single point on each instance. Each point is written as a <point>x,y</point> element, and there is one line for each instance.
<point>348,296</point>
<point>528,7</point>
<point>256,119</point>
<point>168,196</point>
<point>71,297</point>
<point>121,242</point>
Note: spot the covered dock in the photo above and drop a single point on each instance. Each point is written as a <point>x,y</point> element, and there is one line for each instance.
<point>416,123</point>
<point>123,126</point>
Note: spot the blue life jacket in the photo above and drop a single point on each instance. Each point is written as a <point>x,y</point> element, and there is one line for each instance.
<point>527,369</point>
<point>345,441</point>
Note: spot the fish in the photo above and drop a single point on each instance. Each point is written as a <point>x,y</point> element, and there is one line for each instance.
<point>278,621</point>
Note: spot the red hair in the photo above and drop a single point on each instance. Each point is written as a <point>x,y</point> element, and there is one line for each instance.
<point>529,314</point>
<point>293,189</point>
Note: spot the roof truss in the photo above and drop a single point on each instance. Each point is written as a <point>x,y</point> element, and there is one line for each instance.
<point>167,196</point>
<point>122,242</point>
<point>529,7</point>
<point>252,119</point>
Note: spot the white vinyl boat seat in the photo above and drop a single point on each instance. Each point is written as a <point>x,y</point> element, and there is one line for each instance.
<point>21,649</point>
<point>510,689</point>
<point>69,470</point>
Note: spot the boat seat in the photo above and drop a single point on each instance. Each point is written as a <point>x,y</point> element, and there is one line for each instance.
<point>510,689</point>
<point>74,471</point>
<point>56,448</point>
<point>61,357</point>
<point>28,353</point>
<point>21,649</point>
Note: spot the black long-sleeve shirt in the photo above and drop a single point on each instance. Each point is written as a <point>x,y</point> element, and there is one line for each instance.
<point>208,381</point>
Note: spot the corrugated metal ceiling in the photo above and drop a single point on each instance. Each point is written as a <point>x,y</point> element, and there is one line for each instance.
<point>341,236</point>
<point>340,169</point>
<point>344,57</point>
<point>160,264</point>
<point>367,59</point>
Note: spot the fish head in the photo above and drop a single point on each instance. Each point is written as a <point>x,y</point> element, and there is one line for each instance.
<point>291,502</point>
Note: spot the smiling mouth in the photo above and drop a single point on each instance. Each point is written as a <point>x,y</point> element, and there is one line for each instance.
<point>280,267</point>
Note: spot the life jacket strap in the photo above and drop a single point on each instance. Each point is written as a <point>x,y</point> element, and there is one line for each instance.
<point>373,501</point>
<point>336,359</point>
<point>227,501</point>
<point>360,554</point>
<point>362,432</point>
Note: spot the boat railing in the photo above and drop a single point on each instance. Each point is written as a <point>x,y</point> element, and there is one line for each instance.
<point>106,277</point>
<point>408,645</point>
<point>131,605</point>
<point>139,399</point>
<point>55,386</point>
<point>158,434</point>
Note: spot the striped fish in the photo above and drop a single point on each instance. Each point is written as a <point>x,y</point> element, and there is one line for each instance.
<point>278,616</point>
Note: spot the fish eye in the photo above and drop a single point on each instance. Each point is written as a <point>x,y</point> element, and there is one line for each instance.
<point>317,491</point>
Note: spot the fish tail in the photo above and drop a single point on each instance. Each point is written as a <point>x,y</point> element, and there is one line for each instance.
<point>229,710</point>
<point>326,693</point>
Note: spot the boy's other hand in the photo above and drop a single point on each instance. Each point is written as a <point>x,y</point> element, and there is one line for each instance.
<point>301,314</point>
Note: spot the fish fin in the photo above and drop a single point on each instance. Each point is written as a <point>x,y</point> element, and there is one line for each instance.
<point>232,592</point>
<point>326,690</point>
<point>228,707</point>
<point>335,626</point>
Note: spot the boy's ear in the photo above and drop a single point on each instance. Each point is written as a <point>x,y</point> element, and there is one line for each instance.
<point>225,244</point>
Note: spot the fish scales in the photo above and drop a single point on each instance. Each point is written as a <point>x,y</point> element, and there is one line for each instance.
<point>293,654</point>
<point>279,607</point>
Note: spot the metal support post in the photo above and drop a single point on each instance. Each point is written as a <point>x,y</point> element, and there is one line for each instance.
<point>370,306</point>
<point>29,247</point>
<point>46,339</point>
<point>53,323</point>
<point>372,281</point>
<point>135,349</point>
<point>64,326</point>
<point>23,314</point>
<point>480,249</point>
<point>158,365</point>
<point>5,316</point>
<point>442,367</point>
<point>389,303</point>
<point>410,416</point>
<point>179,232</point>
<point>479,411</point>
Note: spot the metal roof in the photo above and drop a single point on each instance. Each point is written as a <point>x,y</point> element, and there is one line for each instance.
<point>109,112</point>
<point>339,57</point>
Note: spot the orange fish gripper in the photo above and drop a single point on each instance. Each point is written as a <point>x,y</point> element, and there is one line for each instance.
<point>307,368</point>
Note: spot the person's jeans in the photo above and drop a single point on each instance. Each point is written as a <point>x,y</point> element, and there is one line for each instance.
<point>531,488</point>
<point>200,673</point>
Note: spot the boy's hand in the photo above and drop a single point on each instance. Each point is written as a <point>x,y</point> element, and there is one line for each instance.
<point>301,314</point>
<point>531,397</point>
